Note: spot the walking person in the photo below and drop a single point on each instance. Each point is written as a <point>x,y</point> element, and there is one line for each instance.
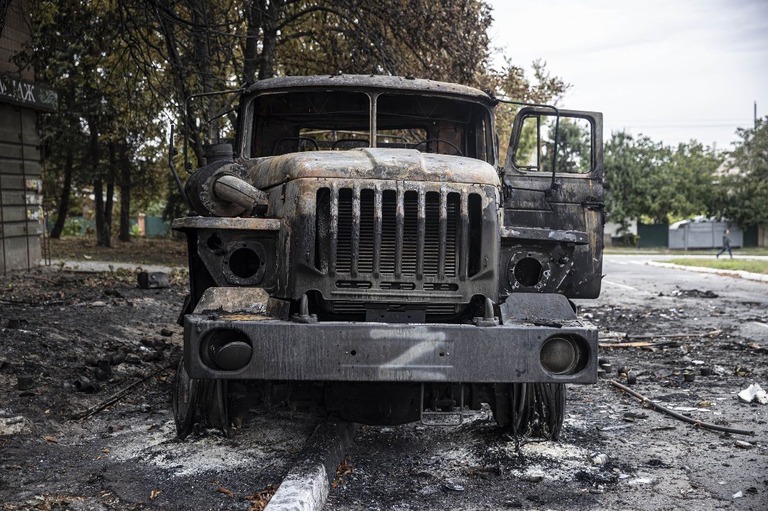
<point>726,244</point>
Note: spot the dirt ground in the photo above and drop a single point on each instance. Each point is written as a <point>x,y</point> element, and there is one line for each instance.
<point>156,251</point>
<point>85,423</point>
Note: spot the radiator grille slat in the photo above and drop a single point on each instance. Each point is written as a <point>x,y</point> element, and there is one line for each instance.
<point>402,233</point>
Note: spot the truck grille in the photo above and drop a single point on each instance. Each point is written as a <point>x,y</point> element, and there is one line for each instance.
<point>411,234</point>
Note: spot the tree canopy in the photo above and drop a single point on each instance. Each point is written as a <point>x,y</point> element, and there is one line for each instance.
<point>649,180</point>
<point>124,69</point>
<point>741,191</point>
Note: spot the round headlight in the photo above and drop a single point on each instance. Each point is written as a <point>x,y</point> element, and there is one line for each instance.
<point>560,355</point>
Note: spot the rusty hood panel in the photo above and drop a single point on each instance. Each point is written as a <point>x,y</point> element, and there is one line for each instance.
<point>369,163</point>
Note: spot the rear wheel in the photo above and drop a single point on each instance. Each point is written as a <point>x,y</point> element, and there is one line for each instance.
<point>530,409</point>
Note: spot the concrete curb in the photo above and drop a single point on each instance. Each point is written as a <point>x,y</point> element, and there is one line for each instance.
<point>307,484</point>
<point>700,269</point>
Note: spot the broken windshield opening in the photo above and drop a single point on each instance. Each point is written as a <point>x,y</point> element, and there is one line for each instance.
<point>341,119</point>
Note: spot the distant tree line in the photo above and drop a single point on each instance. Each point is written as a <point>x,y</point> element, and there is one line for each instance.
<point>650,181</point>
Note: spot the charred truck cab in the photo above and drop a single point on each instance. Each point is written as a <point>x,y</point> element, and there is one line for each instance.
<point>360,246</point>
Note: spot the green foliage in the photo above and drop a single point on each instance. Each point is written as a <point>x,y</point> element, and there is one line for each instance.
<point>646,179</point>
<point>742,191</point>
<point>124,69</point>
<point>512,83</point>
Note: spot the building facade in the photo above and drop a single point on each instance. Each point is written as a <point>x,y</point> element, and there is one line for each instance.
<point>21,102</point>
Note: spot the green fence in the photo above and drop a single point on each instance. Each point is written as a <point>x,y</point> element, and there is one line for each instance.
<point>750,236</point>
<point>155,226</point>
<point>653,235</point>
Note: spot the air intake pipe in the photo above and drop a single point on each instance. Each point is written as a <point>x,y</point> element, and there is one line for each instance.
<point>218,188</point>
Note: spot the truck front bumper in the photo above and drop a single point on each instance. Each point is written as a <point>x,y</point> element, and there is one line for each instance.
<point>265,348</point>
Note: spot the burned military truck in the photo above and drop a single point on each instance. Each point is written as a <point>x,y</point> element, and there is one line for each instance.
<point>359,246</point>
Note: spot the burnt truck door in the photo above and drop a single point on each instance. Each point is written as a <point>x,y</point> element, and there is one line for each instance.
<point>552,234</point>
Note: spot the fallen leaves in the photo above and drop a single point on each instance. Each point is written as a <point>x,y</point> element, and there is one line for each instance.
<point>260,500</point>
<point>225,491</point>
<point>344,469</point>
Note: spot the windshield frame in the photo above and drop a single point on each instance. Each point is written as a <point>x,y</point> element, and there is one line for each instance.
<point>480,116</point>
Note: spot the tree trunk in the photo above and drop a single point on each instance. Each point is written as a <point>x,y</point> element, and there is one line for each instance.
<point>269,45</point>
<point>124,164</point>
<point>255,10</point>
<point>63,208</point>
<point>98,210</point>
<point>110,199</point>
<point>102,227</point>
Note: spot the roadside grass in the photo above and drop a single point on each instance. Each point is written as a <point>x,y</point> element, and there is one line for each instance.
<point>748,265</point>
<point>755,251</point>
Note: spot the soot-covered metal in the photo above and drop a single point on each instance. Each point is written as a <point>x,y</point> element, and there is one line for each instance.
<point>363,249</point>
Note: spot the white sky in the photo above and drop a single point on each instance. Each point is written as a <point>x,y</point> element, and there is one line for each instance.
<point>673,70</point>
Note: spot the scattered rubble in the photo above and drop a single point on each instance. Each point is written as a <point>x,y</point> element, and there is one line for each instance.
<point>754,393</point>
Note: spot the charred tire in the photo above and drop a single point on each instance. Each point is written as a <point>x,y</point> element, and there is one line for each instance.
<point>186,394</point>
<point>529,409</point>
<point>199,402</point>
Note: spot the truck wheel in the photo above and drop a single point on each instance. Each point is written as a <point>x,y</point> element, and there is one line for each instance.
<point>529,409</point>
<point>215,405</point>
<point>186,393</point>
<point>199,401</point>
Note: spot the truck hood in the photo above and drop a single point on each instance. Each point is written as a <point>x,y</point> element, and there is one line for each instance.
<point>369,163</point>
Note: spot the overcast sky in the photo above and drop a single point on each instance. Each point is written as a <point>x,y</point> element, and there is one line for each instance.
<point>673,70</point>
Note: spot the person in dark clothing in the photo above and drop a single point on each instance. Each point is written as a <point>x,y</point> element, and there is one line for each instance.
<point>726,244</point>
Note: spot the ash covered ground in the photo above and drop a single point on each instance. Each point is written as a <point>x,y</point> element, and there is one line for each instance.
<point>85,423</point>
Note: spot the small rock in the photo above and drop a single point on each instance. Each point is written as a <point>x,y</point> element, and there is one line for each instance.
<point>599,458</point>
<point>103,374</point>
<point>705,371</point>
<point>737,495</point>
<point>744,445</point>
<point>451,486</point>
<point>631,378</point>
<point>132,359</point>
<point>154,280</point>
<point>165,332</point>
<point>83,384</point>
<point>113,292</point>
<point>532,477</point>
<point>118,358</point>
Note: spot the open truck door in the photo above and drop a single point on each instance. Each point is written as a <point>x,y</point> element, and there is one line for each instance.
<point>552,235</point>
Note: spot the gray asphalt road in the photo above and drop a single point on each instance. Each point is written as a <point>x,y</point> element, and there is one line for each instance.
<point>615,454</point>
